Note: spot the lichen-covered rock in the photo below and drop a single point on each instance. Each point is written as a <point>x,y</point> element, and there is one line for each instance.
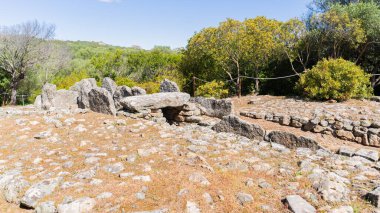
<point>169,86</point>
<point>136,91</point>
<point>154,101</point>
<point>61,99</point>
<point>84,87</point>
<point>214,107</point>
<point>235,125</point>
<point>109,85</point>
<point>120,93</point>
<point>292,141</point>
<point>39,191</point>
<point>13,189</point>
<point>48,93</point>
<point>297,204</point>
<point>101,101</point>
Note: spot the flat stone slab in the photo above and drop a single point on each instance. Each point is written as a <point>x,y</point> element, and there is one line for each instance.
<point>291,141</point>
<point>297,204</point>
<point>347,151</point>
<point>236,125</point>
<point>368,154</point>
<point>154,101</point>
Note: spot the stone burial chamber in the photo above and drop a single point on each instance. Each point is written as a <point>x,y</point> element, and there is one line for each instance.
<point>169,104</point>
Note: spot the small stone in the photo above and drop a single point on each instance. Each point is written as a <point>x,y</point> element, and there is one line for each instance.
<point>142,178</point>
<point>244,198</point>
<point>104,195</point>
<point>192,207</point>
<point>80,205</point>
<point>297,204</point>
<point>343,209</point>
<point>114,168</point>
<point>126,174</point>
<point>46,207</point>
<point>199,178</point>
<point>140,195</point>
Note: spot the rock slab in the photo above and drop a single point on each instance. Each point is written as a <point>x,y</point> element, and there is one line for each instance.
<point>154,101</point>
<point>235,125</point>
<point>297,204</point>
<point>101,101</point>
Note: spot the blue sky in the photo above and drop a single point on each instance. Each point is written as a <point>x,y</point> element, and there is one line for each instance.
<point>141,22</point>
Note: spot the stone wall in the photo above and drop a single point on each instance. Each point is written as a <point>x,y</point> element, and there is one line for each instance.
<point>363,132</point>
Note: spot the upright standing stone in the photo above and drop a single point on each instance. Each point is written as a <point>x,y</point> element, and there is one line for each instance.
<point>120,93</point>
<point>138,91</point>
<point>109,85</point>
<point>61,99</point>
<point>169,86</point>
<point>84,87</point>
<point>48,92</point>
<point>101,101</point>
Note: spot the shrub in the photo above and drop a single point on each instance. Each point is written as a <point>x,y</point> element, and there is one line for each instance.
<point>150,87</point>
<point>335,79</point>
<point>125,81</point>
<point>212,89</point>
<point>65,82</point>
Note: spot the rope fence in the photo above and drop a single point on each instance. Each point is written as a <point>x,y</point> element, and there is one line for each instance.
<point>246,77</point>
<point>6,95</point>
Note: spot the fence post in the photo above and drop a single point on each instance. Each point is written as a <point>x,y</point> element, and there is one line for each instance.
<point>194,86</point>
<point>22,97</point>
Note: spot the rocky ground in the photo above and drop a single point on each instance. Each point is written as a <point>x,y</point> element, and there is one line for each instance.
<point>87,162</point>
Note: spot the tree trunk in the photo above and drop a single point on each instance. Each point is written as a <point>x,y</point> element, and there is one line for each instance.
<point>238,87</point>
<point>13,95</point>
<point>257,86</point>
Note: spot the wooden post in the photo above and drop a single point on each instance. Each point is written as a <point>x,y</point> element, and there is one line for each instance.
<point>22,97</point>
<point>240,87</point>
<point>194,86</point>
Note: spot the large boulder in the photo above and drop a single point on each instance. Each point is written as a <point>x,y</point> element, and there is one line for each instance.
<point>169,86</point>
<point>154,101</point>
<point>292,141</point>
<point>138,91</point>
<point>61,99</point>
<point>214,107</point>
<point>101,101</point>
<point>235,125</point>
<point>109,85</point>
<point>120,93</point>
<point>84,87</point>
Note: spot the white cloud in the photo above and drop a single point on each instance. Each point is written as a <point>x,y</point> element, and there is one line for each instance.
<point>109,1</point>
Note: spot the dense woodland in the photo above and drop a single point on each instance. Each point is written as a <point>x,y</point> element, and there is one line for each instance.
<point>236,57</point>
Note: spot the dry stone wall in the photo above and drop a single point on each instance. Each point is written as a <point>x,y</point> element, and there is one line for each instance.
<point>363,132</point>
